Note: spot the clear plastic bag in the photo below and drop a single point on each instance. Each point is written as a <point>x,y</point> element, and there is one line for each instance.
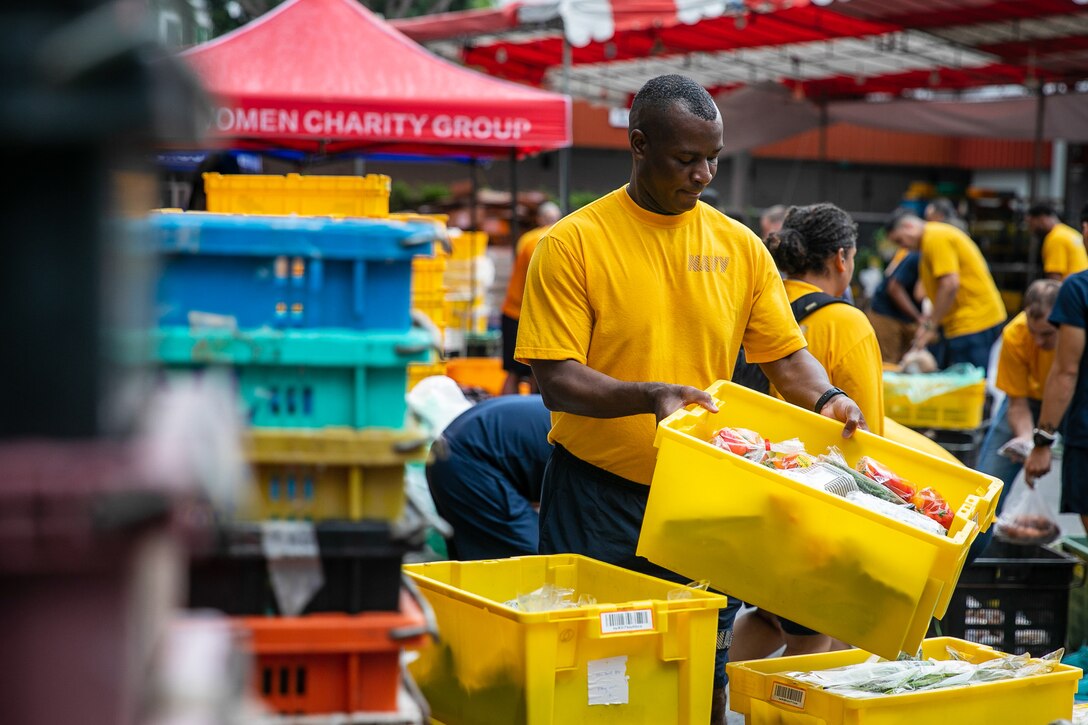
<point>742,442</point>
<point>897,511</point>
<point>1027,519</point>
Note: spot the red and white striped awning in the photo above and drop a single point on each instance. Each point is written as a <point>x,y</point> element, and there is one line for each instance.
<point>820,49</point>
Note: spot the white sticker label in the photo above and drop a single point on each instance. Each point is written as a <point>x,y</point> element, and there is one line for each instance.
<point>289,540</point>
<point>787,695</point>
<point>607,680</point>
<point>631,620</point>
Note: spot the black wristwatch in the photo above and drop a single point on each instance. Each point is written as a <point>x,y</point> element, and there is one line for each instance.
<point>826,398</point>
<point>1043,438</point>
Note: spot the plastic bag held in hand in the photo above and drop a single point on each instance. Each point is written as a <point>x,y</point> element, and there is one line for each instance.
<point>1028,519</point>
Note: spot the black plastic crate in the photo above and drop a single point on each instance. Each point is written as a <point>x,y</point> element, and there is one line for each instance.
<point>1013,598</point>
<point>360,560</point>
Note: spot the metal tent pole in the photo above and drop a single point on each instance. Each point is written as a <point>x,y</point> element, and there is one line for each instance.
<point>514,202</point>
<point>564,153</point>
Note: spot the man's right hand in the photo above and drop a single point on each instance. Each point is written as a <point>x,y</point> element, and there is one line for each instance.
<point>1037,465</point>
<point>667,399</point>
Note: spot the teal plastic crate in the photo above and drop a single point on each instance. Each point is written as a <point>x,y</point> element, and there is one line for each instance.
<point>303,379</point>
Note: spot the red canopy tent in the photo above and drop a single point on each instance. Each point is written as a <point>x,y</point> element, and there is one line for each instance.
<point>329,76</point>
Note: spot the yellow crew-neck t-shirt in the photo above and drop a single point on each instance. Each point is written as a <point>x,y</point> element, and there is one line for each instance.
<point>645,297</point>
<point>1063,251</point>
<point>842,339</point>
<point>978,306</point>
<point>1022,366</point>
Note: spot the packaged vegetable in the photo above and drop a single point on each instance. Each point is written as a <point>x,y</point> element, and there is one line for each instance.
<point>788,455</point>
<point>886,477</point>
<point>882,677</point>
<point>825,477</point>
<point>1028,519</point>
<point>867,485</point>
<point>742,442</point>
<point>933,505</point>
<point>899,512</point>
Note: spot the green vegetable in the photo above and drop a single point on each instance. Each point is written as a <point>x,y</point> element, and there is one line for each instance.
<point>865,483</point>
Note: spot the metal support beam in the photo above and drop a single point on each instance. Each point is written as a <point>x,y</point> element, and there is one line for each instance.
<point>564,153</point>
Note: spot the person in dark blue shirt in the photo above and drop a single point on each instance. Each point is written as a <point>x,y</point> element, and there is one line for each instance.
<point>486,475</point>
<point>894,313</point>
<point>1066,394</point>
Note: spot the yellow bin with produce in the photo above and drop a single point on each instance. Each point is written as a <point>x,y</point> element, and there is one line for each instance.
<point>800,552</point>
<point>637,656</point>
<point>765,696</point>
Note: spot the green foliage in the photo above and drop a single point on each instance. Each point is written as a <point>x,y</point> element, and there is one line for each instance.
<point>403,197</point>
<point>578,199</point>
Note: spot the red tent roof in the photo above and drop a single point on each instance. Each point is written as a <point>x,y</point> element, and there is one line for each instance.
<point>329,75</point>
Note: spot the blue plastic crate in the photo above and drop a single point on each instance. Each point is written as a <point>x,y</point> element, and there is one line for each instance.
<point>303,379</point>
<point>287,272</point>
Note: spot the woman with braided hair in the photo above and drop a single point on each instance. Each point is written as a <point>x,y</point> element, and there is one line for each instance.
<point>814,250</point>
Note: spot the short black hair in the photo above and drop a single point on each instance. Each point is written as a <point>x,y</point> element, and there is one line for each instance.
<point>658,95</point>
<point>1037,210</point>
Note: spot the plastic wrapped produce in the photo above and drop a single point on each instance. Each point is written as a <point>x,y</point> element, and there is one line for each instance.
<point>898,512</point>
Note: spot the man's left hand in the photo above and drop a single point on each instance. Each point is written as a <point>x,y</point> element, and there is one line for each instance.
<point>845,410</point>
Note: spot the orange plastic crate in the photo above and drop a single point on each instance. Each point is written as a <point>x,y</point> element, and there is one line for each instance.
<point>333,663</point>
<point>477,372</point>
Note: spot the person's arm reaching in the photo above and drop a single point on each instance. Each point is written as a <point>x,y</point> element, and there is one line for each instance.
<point>947,287</point>
<point>568,386</point>
<point>801,380</point>
<point>1020,418</point>
<point>1057,394</point>
<point>902,299</point>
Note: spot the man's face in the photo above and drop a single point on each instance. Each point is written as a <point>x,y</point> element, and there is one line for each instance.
<point>677,159</point>
<point>769,226</point>
<point>1043,333</point>
<point>1037,224</point>
<point>907,235</point>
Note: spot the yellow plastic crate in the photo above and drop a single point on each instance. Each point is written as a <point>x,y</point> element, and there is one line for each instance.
<point>477,372</point>
<point>495,664</point>
<point>467,245</point>
<point>957,410</point>
<point>361,196</point>
<point>419,371</point>
<point>435,307</point>
<point>428,276</point>
<point>758,691</point>
<point>799,552</point>
<point>330,473</point>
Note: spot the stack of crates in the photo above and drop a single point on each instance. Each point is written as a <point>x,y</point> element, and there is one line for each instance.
<point>310,317</point>
<point>429,295</point>
<point>467,277</point>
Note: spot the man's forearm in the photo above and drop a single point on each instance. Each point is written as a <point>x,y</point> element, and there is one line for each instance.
<point>568,386</point>
<point>902,299</point>
<point>947,287</point>
<point>1020,418</point>
<point>1059,392</point>
<point>799,378</point>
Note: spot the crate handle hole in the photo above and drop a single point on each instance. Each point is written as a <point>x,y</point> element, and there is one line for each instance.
<point>300,681</point>
<point>285,681</point>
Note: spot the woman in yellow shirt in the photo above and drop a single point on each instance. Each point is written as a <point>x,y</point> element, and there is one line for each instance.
<point>815,250</point>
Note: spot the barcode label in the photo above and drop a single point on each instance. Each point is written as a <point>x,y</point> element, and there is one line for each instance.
<point>632,620</point>
<point>788,695</point>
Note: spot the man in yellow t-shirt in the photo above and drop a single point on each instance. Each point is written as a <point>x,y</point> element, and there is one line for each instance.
<point>966,304</point>
<point>1063,247</point>
<point>517,372</point>
<point>1027,353</point>
<point>635,303</point>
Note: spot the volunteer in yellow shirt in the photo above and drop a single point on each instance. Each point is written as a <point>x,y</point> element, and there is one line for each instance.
<point>815,249</point>
<point>1063,247</point>
<point>518,372</point>
<point>966,303</point>
<point>1027,353</point>
<point>633,305</point>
